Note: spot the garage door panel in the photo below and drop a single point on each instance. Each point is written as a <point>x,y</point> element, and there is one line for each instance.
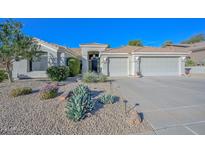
<point>153,66</point>
<point>118,66</point>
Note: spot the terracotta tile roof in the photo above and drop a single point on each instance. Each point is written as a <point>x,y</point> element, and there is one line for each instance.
<point>76,51</point>
<point>52,45</point>
<point>94,45</point>
<point>155,49</point>
<point>124,49</point>
<point>197,46</point>
<point>194,46</point>
<point>131,49</point>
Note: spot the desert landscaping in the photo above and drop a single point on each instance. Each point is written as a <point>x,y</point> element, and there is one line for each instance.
<point>28,114</point>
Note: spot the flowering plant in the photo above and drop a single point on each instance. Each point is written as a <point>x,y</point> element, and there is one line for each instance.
<point>49,87</point>
<point>48,91</point>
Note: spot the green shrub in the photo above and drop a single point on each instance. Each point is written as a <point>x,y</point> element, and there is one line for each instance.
<point>190,62</point>
<point>107,99</point>
<point>48,91</point>
<point>74,66</point>
<point>20,91</point>
<point>58,73</point>
<point>94,77</point>
<point>79,103</point>
<point>3,75</point>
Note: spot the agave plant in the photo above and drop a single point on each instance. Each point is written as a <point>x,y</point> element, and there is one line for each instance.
<point>80,103</point>
<point>107,99</point>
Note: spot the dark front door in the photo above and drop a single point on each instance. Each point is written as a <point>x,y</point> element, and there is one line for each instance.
<point>94,65</point>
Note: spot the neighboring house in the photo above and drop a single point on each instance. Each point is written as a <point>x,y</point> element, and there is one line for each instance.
<point>123,61</point>
<point>198,51</point>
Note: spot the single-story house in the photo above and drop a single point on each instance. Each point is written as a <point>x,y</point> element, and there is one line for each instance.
<point>123,61</point>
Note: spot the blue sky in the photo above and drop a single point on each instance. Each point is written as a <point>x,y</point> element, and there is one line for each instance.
<point>116,32</point>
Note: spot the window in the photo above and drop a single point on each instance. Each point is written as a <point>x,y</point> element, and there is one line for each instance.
<point>39,64</point>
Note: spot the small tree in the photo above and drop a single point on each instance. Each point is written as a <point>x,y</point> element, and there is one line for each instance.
<point>14,45</point>
<point>166,43</point>
<point>135,43</point>
<point>195,39</point>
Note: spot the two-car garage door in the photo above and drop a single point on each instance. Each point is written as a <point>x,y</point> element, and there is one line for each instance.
<point>159,66</point>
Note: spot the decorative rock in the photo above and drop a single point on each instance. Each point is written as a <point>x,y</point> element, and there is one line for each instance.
<point>64,96</point>
<point>133,118</point>
<point>89,114</point>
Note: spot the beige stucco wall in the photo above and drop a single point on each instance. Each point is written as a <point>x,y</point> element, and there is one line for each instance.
<point>198,56</point>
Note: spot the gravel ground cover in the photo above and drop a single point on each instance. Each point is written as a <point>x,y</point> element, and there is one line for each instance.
<point>29,115</point>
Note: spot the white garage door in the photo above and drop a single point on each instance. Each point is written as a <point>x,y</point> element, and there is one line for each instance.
<point>118,66</point>
<point>159,66</point>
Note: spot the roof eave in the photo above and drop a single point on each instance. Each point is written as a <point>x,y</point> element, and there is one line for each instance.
<point>161,53</point>
<point>94,45</point>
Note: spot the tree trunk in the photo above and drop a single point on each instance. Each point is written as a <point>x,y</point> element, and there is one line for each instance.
<point>10,76</point>
<point>9,72</point>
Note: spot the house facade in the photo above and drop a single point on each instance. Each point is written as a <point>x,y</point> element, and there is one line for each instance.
<point>120,62</point>
<point>135,61</point>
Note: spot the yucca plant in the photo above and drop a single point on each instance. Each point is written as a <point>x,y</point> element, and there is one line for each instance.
<point>79,103</point>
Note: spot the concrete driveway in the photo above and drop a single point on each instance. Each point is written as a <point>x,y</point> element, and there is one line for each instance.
<point>172,105</point>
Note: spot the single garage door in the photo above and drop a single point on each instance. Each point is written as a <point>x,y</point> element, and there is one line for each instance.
<point>159,66</point>
<point>118,66</point>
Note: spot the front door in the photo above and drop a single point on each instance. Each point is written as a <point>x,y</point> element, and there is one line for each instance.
<point>94,64</point>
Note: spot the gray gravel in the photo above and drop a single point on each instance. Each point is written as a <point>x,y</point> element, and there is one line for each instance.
<point>29,115</point>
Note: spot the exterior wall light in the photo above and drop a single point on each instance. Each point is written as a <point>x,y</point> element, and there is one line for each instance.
<point>105,60</point>
<point>137,59</point>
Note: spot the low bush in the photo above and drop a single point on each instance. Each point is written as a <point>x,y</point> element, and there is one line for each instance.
<point>58,73</point>
<point>102,77</point>
<point>48,91</point>
<point>20,91</point>
<point>80,103</point>
<point>90,77</point>
<point>189,63</point>
<point>74,66</point>
<point>107,99</point>
<point>3,75</point>
<point>94,77</point>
